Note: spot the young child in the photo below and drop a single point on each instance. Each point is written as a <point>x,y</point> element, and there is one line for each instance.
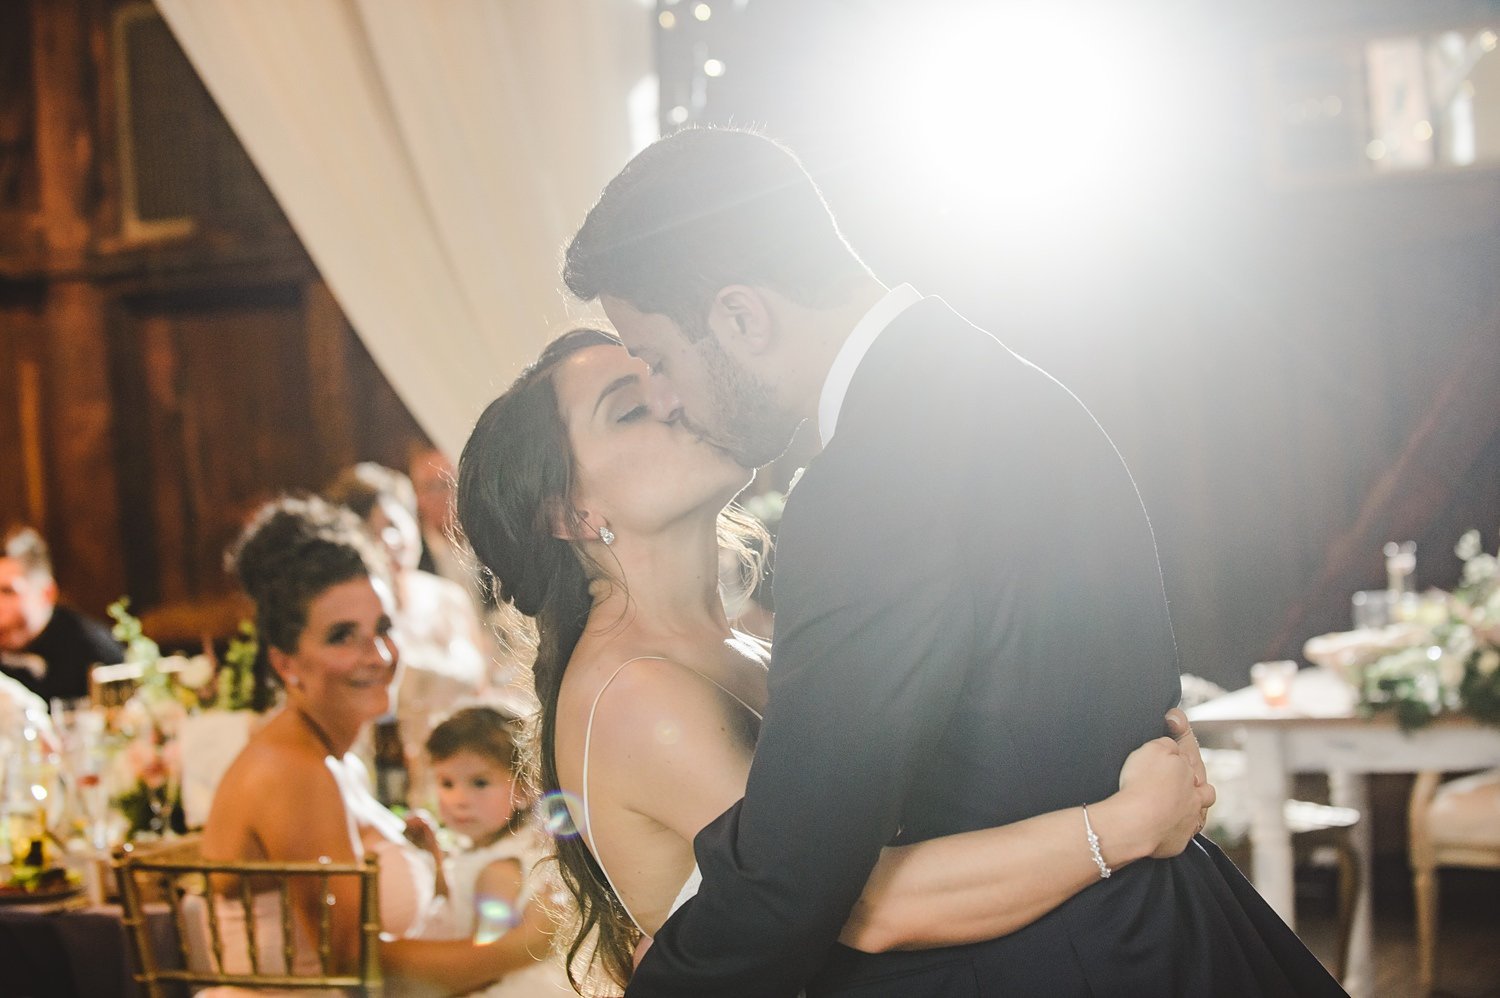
<point>474,767</point>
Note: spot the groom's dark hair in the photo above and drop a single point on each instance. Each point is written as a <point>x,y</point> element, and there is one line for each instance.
<point>704,208</point>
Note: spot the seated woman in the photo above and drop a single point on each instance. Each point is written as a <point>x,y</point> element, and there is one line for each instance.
<point>604,524</point>
<point>295,792</point>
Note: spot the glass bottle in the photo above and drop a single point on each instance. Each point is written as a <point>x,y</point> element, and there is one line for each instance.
<point>1400,580</point>
<point>391,777</point>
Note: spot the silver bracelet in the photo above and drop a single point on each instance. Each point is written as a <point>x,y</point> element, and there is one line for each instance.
<point>1088,826</point>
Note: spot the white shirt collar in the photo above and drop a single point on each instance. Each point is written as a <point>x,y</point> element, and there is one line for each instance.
<point>864,333</point>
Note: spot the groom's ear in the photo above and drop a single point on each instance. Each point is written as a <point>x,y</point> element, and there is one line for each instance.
<point>741,316</point>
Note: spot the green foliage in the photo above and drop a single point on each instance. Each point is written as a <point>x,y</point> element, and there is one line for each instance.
<point>154,811</point>
<point>236,679</point>
<point>1480,689</point>
<point>127,630</point>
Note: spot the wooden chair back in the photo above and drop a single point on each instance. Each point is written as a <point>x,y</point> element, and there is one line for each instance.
<point>176,875</point>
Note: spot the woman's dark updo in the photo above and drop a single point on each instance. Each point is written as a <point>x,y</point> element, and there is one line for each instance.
<point>292,551</point>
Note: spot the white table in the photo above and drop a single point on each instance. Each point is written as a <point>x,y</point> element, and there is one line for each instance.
<point>1320,732</point>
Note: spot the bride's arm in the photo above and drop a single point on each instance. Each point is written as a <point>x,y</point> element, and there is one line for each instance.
<point>661,738</point>
<point>979,885</point>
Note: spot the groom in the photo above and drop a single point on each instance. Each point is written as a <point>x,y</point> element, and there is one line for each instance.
<point>971,626</point>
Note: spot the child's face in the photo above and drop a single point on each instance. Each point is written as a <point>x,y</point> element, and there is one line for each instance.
<point>476,795</point>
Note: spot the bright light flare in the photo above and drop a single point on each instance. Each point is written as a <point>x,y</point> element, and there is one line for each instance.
<point>1029,113</point>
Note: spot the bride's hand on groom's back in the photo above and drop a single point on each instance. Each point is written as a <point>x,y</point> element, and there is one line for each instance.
<point>1181,732</point>
<point>1165,795</point>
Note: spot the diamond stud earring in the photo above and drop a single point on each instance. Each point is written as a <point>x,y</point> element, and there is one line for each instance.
<point>607,536</point>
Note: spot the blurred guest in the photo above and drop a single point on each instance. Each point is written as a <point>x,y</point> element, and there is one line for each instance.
<point>443,553</point>
<point>46,646</point>
<point>435,622</point>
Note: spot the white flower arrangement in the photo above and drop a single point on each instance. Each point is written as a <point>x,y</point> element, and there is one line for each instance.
<point>1450,667</point>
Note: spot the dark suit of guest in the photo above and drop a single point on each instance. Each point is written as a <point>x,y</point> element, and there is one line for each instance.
<point>971,630</point>
<point>71,644</point>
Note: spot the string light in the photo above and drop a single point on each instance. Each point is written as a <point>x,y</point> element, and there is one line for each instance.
<point>713,67</point>
<point>703,11</point>
<point>667,20</point>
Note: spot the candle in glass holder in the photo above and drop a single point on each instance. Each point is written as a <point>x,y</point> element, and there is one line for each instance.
<point>1274,680</point>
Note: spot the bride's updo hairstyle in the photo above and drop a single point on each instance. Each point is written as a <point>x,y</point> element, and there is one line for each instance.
<point>292,551</point>
<point>514,476</point>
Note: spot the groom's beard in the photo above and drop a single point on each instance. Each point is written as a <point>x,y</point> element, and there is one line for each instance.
<point>748,423</point>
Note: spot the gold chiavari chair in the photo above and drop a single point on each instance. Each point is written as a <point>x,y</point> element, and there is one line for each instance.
<point>176,874</point>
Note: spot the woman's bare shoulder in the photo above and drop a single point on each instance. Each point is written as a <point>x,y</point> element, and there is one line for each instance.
<point>622,674</point>
<point>651,707</point>
<point>274,788</point>
<point>278,762</point>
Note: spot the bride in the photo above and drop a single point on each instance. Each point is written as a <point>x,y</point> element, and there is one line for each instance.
<point>604,525</point>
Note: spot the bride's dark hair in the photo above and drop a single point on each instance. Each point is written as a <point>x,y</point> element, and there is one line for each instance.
<point>515,466</point>
<point>514,477</point>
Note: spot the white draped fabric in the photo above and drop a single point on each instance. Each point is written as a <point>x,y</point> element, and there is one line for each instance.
<point>433,157</point>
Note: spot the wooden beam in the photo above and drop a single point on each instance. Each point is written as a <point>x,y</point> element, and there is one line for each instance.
<point>75,410</point>
<point>33,467</point>
<point>328,367</point>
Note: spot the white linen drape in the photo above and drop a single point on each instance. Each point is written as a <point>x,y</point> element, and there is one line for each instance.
<point>434,157</point>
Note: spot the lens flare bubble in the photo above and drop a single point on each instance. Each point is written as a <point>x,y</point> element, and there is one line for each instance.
<point>557,810</point>
<point>496,918</point>
<point>668,732</point>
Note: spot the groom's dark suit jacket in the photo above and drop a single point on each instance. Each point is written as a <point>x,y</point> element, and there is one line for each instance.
<point>971,629</point>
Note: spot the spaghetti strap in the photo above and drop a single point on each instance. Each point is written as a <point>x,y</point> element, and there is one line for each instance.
<point>588,738</point>
<point>588,820</point>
